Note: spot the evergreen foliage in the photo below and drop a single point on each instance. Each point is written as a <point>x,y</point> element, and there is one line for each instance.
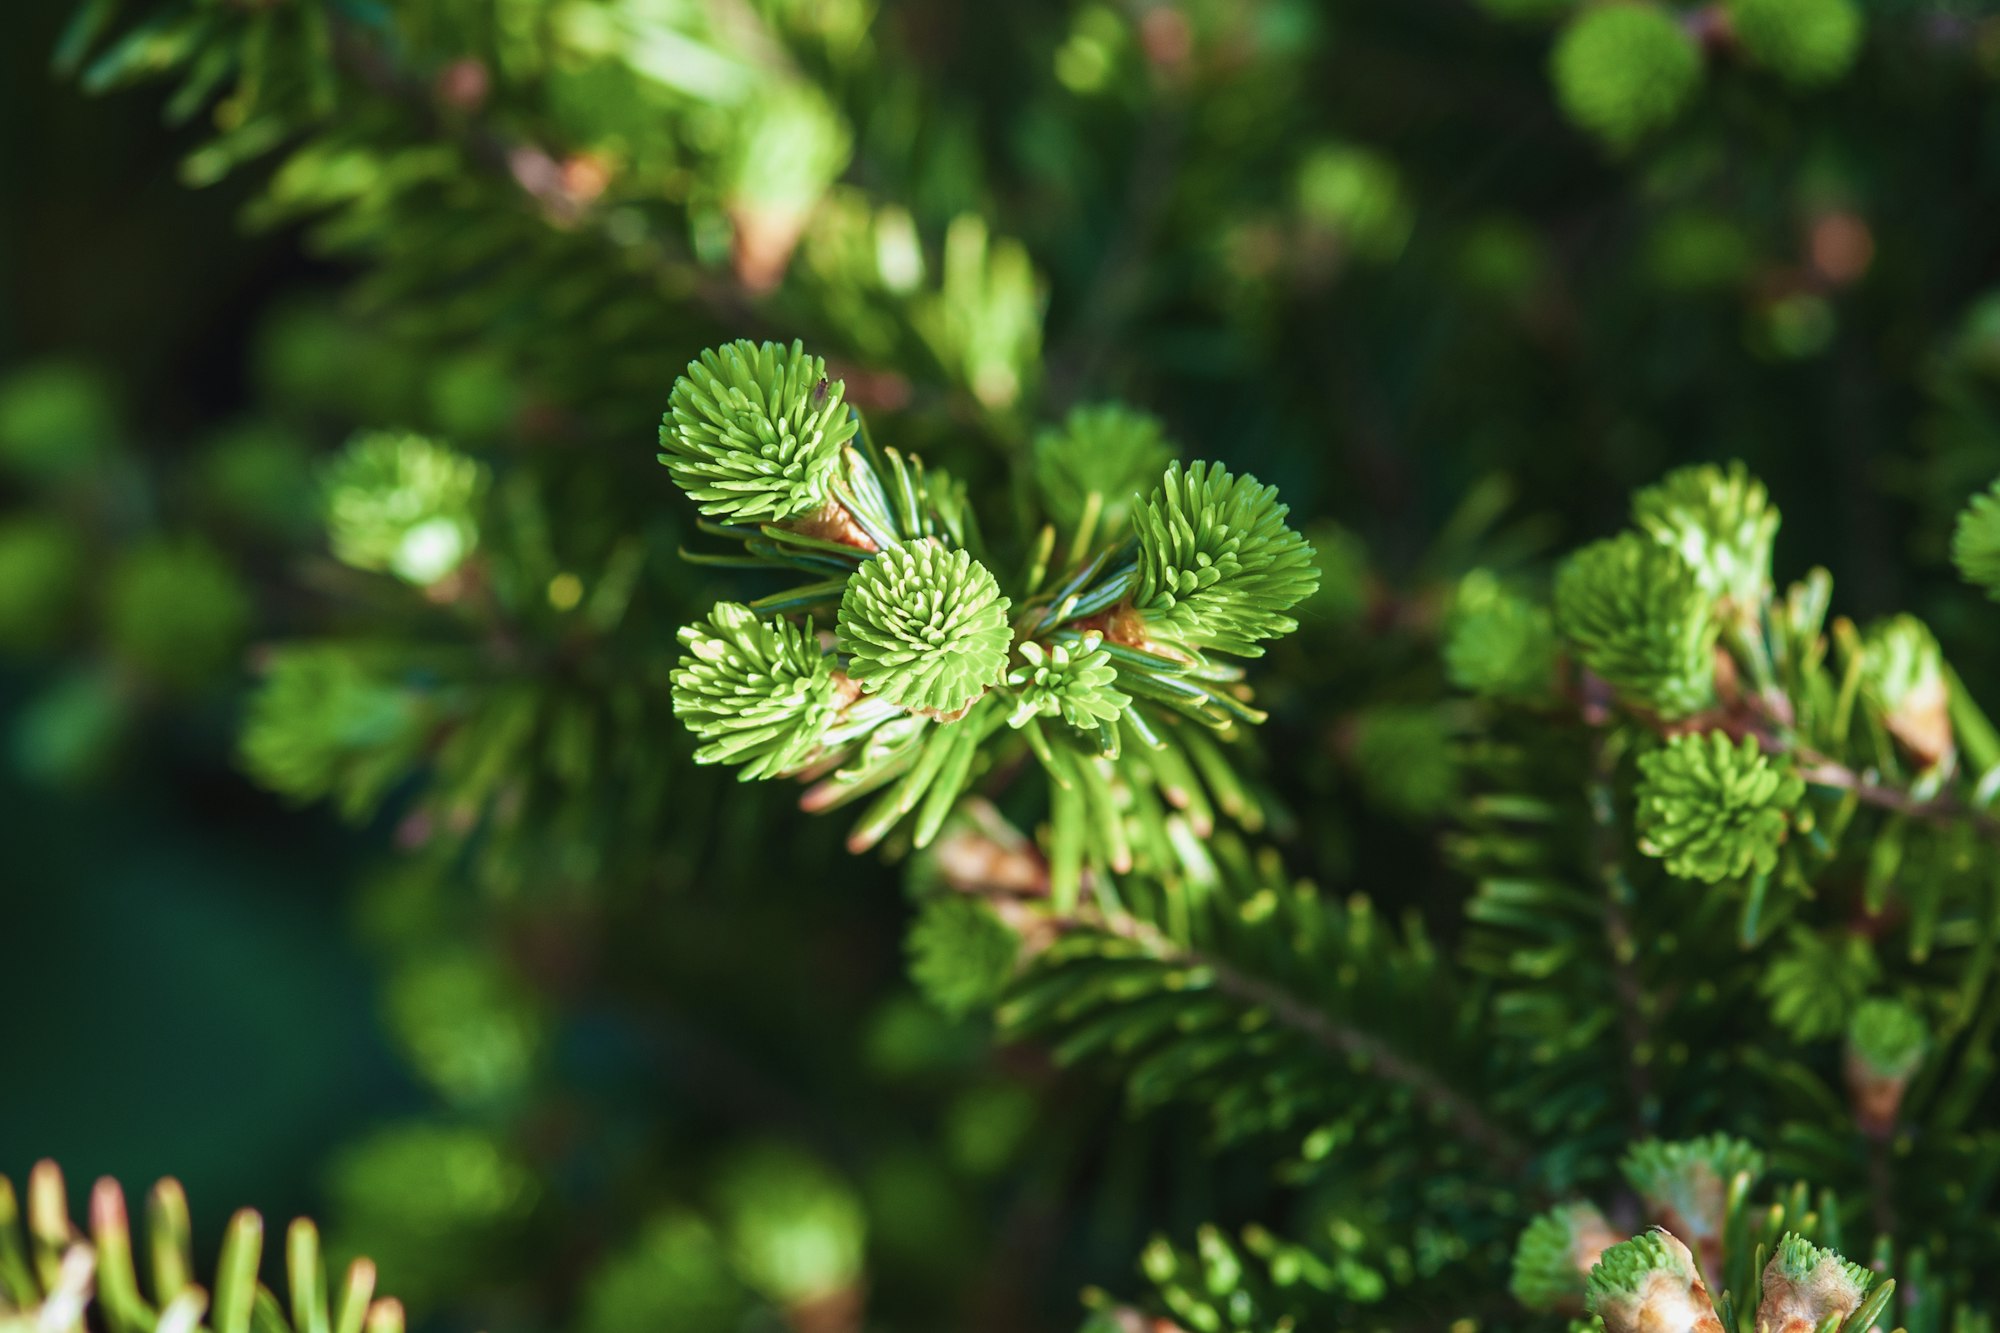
<point>1443,907</point>
<point>330,723</point>
<point>1217,565</point>
<point>1722,523</point>
<point>962,954</point>
<point>1635,613</point>
<point>1500,644</point>
<point>1713,810</point>
<point>1566,1240</point>
<point>754,432</point>
<point>1094,468</point>
<point>760,693</point>
<point>924,628</point>
<point>55,1274</point>
<point>1072,680</point>
<point>1888,1038</point>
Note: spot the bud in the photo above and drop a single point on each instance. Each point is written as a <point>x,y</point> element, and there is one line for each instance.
<point>1650,1284</point>
<point>1903,678</point>
<point>1886,1040</point>
<point>1686,1184</point>
<point>1555,1256</point>
<point>1805,1285</point>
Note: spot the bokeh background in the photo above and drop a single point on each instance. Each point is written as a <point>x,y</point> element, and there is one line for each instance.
<point>1362,251</point>
<point>192,999</point>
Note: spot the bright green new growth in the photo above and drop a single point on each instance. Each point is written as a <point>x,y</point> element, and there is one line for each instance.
<point>1624,70</point>
<point>1902,663</point>
<point>1074,680</point>
<point>1549,1260</point>
<point>1712,810</point>
<point>1804,1282</point>
<point>1107,450</point>
<point>1721,521</point>
<point>961,953</point>
<point>1622,1273</point>
<point>403,504</point>
<point>924,627</point>
<point>1218,568</point>
<point>328,723</point>
<point>1806,42</point>
<point>1904,680</point>
<point>1815,982</point>
<point>1635,612</point>
<point>1888,1037</point>
<point>1688,1181</point>
<point>753,433</point>
<point>1498,644</point>
<point>1975,542</point>
<point>761,693</point>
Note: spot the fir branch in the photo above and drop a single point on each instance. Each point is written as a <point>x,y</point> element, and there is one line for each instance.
<point>1333,1036</point>
<point>1384,1061</point>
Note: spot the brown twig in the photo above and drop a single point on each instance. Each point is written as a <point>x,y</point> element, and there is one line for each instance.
<point>1820,771</point>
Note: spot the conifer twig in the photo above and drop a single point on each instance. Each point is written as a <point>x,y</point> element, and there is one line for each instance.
<point>1329,1034</point>
<point>1819,771</point>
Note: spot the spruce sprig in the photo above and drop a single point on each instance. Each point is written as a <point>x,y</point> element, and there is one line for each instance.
<point>1218,567</point>
<point>761,693</point>
<point>924,627</point>
<point>1637,614</point>
<point>1806,1284</point>
<point>753,432</point>
<point>1072,678</point>
<point>1713,810</point>
<point>1499,644</point>
<point>1686,1183</point>
<point>1722,522</point>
